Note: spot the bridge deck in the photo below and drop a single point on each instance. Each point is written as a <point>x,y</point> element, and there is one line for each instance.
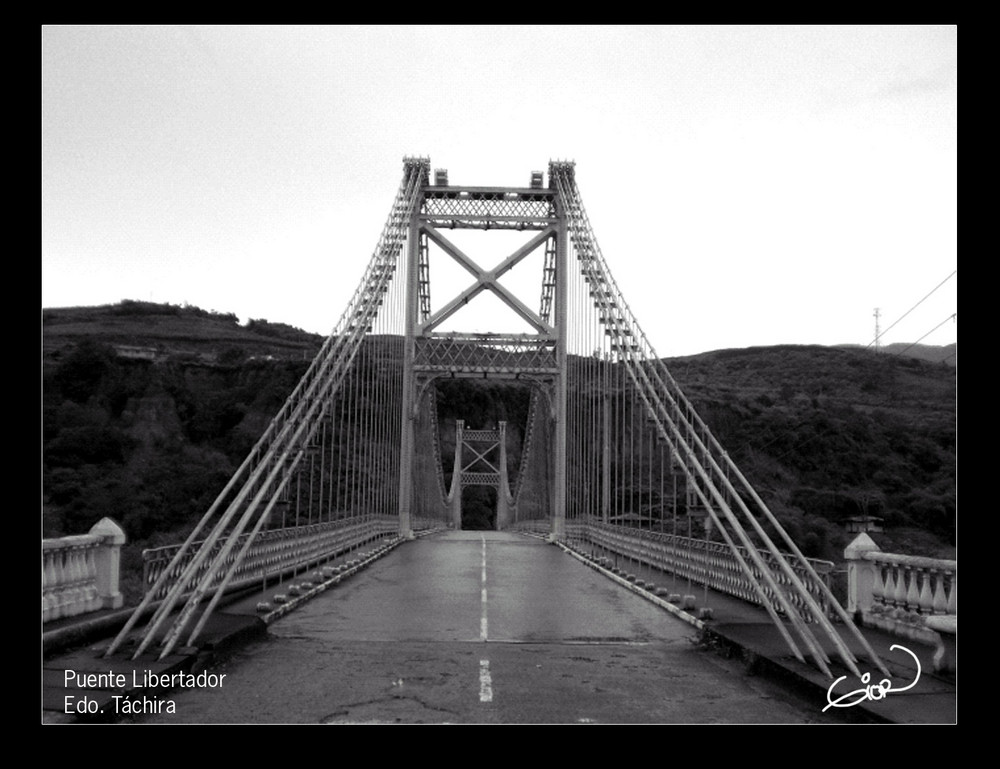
<point>469,627</point>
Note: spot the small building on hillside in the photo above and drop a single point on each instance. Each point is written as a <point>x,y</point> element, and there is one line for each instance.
<point>135,353</point>
<point>863,524</point>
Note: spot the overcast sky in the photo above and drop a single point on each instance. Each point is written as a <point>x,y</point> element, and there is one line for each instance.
<point>747,185</point>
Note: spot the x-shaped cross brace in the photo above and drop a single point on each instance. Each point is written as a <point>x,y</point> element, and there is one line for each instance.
<point>488,280</point>
<point>480,456</point>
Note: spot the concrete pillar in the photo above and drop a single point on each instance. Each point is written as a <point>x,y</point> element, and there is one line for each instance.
<point>107,561</point>
<point>860,574</point>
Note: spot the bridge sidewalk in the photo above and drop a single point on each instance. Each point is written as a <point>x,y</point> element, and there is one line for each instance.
<point>740,628</point>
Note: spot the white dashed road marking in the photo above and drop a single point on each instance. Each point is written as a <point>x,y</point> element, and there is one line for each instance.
<point>485,681</point>
<point>482,621</point>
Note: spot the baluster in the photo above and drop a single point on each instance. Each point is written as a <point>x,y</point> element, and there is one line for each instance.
<point>879,590</point>
<point>76,592</point>
<point>899,593</point>
<point>50,601</point>
<point>940,600</point>
<point>891,578</point>
<point>65,580</point>
<point>926,600</point>
<point>912,592</point>
<point>72,576</point>
<point>91,600</point>
<point>61,583</point>
<point>54,582</point>
<point>953,594</point>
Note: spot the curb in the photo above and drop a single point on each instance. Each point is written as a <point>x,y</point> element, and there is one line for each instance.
<point>676,611</point>
<point>312,590</point>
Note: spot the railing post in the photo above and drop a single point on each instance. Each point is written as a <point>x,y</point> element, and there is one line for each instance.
<point>860,574</point>
<point>107,560</point>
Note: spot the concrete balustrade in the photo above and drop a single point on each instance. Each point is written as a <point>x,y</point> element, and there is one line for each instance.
<point>898,585</point>
<point>80,573</point>
<point>909,596</point>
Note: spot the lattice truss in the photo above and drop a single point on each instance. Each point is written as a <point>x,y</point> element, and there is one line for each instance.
<point>480,458</point>
<point>486,353</point>
<point>489,209</point>
<point>330,454</point>
<point>639,454</point>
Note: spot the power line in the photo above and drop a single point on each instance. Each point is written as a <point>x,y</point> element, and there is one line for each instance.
<point>879,336</point>
<point>950,317</point>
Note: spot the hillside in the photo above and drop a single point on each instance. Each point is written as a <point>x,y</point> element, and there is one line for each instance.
<point>161,331</point>
<point>148,410</point>
<point>825,434</point>
<point>947,354</point>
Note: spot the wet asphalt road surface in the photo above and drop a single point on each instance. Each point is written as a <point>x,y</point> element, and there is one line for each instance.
<point>483,628</point>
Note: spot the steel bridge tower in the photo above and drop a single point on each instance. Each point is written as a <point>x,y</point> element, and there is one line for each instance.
<point>537,358</point>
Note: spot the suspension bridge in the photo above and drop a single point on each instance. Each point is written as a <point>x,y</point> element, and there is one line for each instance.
<point>611,459</point>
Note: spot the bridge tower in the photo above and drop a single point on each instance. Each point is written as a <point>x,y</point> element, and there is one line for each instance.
<point>537,358</point>
<point>486,466</point>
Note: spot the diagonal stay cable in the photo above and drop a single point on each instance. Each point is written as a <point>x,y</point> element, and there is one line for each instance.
<point>319,402</point>
<point>338,345</point>
<point>793,578</point>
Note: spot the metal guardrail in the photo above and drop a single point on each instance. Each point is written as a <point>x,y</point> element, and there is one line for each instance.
<point>274,552</point>
<point>707,563</point>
